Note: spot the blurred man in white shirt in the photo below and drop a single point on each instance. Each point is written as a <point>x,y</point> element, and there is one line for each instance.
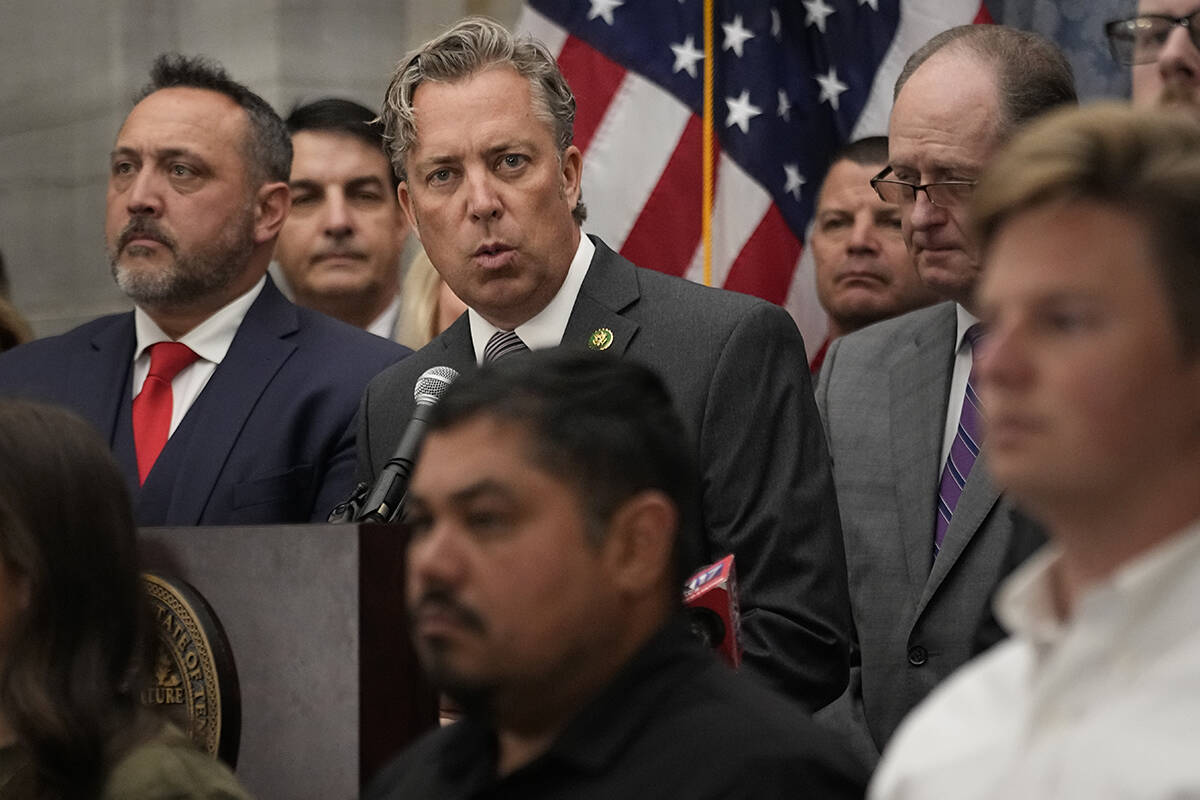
<point>1091,381</point>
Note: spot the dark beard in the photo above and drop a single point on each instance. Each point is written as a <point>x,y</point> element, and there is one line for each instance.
<point>473,697</point>
<point>191,277</point>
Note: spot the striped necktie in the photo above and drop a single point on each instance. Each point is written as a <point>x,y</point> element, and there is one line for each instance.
<point>963,451</point>
<point>501,345</point>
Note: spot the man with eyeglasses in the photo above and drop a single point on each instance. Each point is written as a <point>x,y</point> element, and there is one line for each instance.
<point>1091,377</point>
<point>1161,45</point>
<point>927,536</point>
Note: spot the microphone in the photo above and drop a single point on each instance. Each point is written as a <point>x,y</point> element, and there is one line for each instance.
<point>385,503</point>
<point>710,597</point>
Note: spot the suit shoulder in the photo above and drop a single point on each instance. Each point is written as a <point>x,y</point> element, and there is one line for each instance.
<point>346,341</point>
<point>404,373</point>
<point>880,340</point>
<point>39,354</point>
<point>660,285</point>
<point>716,312</point>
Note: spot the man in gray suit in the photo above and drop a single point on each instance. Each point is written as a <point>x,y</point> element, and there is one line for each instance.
<point>480,129</point>
<point>928,541</point>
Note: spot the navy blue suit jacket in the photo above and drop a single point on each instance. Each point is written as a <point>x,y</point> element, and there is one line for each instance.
<point>269,440</point>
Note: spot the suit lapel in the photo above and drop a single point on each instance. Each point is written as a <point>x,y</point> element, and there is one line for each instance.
<point>979,496</point>
<point>457,347</point>
<point>611,286</point>
<point>920,383</point>
<point>100,385</point>
<point>219,414</point>
<point>100,375</point>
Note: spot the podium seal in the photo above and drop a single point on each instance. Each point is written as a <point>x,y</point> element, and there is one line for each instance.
<point>194,681</point>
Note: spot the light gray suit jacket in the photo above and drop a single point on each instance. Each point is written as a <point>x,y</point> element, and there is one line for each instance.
<point>882,394</point>
<point>736,368</point>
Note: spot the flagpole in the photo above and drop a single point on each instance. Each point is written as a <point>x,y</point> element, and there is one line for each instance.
<point>707,145</point>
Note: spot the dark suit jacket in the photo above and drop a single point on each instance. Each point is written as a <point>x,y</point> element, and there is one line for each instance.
<point>269,440</point>
<point>736,368</point>
<point>883,393</point>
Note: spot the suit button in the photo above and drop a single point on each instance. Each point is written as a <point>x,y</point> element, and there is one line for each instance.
<point>917,655</point>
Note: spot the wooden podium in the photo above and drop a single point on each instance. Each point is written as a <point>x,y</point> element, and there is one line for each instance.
<point>329,683</point>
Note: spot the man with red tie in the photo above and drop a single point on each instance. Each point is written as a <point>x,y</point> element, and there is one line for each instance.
<point>223,402</point>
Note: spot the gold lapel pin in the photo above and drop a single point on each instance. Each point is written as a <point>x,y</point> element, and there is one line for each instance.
<point>600,339</point>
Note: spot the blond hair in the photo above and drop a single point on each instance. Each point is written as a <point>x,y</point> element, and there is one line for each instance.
<point>1143,163</point>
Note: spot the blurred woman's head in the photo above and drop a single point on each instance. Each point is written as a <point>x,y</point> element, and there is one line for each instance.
<point>72,614</point>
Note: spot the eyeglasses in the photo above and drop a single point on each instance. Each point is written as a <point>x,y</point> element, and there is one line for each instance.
<point>943,194</point>
<point>1139,40</point>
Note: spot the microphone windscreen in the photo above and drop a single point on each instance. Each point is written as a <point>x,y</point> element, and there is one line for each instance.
<point>432,384</point>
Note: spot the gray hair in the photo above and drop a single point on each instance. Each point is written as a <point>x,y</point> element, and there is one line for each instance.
<point>469,47</point>
<point>1032,74</point>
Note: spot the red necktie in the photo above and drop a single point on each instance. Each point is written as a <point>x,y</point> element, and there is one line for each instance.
<point>154,403</point>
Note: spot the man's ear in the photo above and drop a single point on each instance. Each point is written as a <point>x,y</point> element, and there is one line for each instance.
<point>272,203</point>
<point>640,543</point>
<point>405,199</point>
<point>572,175</point>
<point>403,229</point>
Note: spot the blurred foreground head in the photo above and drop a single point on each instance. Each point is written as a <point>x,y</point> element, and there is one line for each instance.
<point>545,514</point>
<point>1091,371</point>
<point>72,623</point>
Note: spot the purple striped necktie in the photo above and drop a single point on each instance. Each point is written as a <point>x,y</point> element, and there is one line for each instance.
<point>964,449</point>
<point>501,345</point>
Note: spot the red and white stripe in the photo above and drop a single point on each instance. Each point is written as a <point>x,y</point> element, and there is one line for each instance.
<point>641,176</point>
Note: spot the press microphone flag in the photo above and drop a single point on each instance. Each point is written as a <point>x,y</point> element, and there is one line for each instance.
<point>712,608</point>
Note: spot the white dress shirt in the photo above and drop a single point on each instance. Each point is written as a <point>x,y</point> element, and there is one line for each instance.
<point>385,324</point>
<point>210,340</point>
<point>546,328</point>
<point>1104,704</point>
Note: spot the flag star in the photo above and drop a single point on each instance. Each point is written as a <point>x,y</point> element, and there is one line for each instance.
<point>686,56</point>
<point>776,25</point>
<point>794,180</point>
<point>736,35</point>
<point>817,12</point>
<point>831,88</point>
<point>741,111</point>
<point>604,9</point>
<point>785,106</point>
<point>874,4</point>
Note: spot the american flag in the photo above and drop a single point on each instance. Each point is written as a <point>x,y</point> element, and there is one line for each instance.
<point>793,79</point>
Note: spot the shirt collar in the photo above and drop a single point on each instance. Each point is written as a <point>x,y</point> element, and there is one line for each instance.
<point>385,324</point>
<point>599,732</point>
<point>1025,601</point>
<point>211,339</point>
<point>546,328</point>
<point>965,320</point>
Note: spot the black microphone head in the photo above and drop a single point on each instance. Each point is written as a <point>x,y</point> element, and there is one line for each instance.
<point>432,384</point>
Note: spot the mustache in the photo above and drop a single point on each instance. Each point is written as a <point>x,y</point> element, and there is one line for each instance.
<point>340,252</point>
<point>144,228</point>
<point>442,601</point>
